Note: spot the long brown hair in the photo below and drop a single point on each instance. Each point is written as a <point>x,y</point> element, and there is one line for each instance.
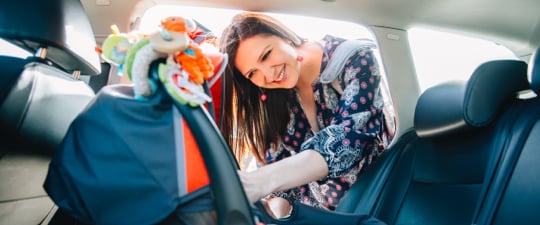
<point>248,124</point>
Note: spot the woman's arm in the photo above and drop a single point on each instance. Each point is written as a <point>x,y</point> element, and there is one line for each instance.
<point>355,131</point>
<point>336,148</point>
<point>291,172</point>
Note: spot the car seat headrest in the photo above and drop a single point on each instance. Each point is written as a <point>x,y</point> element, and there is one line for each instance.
<point>457,106</point>
<point>534,71</point>
<point>61,27</point>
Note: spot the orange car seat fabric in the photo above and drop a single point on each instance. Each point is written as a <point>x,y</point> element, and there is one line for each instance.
<point>189,159</point>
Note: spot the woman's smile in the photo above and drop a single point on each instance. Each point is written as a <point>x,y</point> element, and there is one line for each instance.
<point>268,61</point>
<point>281,75</point>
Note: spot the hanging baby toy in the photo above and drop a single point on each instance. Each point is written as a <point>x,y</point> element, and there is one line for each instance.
<point>187,67</point>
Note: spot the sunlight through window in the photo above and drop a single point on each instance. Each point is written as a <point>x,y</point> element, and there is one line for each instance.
<point>9,49</point>
<point>440,56</point>
<point>217,19</point>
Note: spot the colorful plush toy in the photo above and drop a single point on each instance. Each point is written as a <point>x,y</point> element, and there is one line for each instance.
<point>116,46</point>
<point>187,66</point>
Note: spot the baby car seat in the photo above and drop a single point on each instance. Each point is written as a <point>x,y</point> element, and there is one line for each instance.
<point>150,153</point>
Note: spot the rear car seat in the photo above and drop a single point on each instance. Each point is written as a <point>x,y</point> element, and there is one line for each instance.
<point>40,98</point>
<point>514,194</point>
<point>440,168</point>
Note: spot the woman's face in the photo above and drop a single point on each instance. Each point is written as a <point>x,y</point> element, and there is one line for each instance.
<point>268,61</point>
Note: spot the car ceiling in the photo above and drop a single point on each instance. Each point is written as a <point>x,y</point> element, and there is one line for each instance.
<point>515,24</point>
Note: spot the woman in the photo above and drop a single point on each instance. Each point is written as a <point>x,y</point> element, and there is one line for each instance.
<point>312,129</point>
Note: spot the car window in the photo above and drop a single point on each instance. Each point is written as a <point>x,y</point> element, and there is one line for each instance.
<point>217,19</point>
<point>441,56</point>
<point>9,49</point>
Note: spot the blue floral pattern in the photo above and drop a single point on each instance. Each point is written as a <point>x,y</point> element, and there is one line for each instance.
<point>352,128</point>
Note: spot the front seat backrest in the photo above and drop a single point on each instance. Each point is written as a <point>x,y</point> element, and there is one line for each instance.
<point>42,104</point>
<point>47,95</point>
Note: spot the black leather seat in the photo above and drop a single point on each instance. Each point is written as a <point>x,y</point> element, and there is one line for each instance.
<point>39,97</point>
<point>436,174</point>
<point>514,194</point>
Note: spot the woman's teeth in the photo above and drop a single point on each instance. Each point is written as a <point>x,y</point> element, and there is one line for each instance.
<point>281,75</point>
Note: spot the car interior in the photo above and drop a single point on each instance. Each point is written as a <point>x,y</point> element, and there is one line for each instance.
<point>49,82</point>
<point>470,155</point>
<point>40,98</point>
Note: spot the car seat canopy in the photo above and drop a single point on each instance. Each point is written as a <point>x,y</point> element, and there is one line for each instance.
<point>118,160</point>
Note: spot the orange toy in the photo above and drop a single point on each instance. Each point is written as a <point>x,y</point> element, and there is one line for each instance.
<point>178,24</point>
<point>195,63</point>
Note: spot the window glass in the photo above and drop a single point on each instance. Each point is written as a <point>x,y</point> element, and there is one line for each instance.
<point>217,19</point>
<point>9,49</point>
<point>440,56</point>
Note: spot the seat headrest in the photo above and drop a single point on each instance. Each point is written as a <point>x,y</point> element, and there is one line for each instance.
<point>534,71</point>
<point>60,26</point>
<point>457,106</point>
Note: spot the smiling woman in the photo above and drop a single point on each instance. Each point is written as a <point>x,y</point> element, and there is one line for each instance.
<point>310,28</point>
<point>275,65</point>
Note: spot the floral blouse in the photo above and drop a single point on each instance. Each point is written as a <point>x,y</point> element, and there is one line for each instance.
<point>352,128</point>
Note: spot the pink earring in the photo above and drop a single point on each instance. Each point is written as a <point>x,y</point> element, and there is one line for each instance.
<point>299,58</point>
<point>263,95</point>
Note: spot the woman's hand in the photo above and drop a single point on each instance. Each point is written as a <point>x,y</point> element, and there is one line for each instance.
<point>255,186</point>
<point>294,171</point>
